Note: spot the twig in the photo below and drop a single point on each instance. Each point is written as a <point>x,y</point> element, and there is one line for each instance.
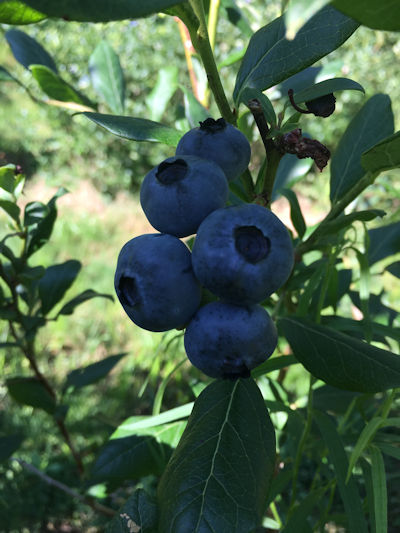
<point>53,482</point>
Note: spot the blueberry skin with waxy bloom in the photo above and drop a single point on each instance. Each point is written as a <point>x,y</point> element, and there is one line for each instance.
<point>154,282</point>
<point>218,141</point>
<point>178,194</point>
<point>242,253</point>
<point>226,340</point>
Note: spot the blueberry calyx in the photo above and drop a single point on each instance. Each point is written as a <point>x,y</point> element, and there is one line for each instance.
<point>211,125</point>
<point>128,291</point>
<point>169,172</point>
<point>251,243</point>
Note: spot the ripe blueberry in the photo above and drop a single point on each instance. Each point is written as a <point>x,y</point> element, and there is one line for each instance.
<point>154,282</point>
<point>242,253</point>
<point>225,340</point>
<point>220,142</point>
<point>178,194</point>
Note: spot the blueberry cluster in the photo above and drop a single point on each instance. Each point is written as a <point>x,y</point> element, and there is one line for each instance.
<point>241,255</point>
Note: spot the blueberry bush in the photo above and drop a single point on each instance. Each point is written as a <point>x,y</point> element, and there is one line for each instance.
<point>297,429</point>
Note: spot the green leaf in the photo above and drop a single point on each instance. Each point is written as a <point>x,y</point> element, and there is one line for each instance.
<point>268,110</point>
<point>28,51</point>
<point>81,377</point>
<point>31,391</point>
<point>4,74</point>
<point>131,458</point>
<point>219,475</point>
<point>340,360</point>
<point>7,178</point>
<point>133,425</point>
<point>379,490</point>
<point>11,209</point>
<point>195,112</point>
<point>384,15</point>
<point>100,10</point>
<point>8,445</point>
<point>363,441</point>
<point>35,212</point>
<point>390,450</point>
<point>298,12</point>
<point>271,58</point>
<point>15,12</point>
<point>298,522</point>
<point>383,155</point>
<point>235,16</point>
<point>136,129</point>
<point>373,122</point>
<point>107,76</point>
<point>383,242</point>
<point>348,491</point>
<point>162,92</point>
<point>69,307</point>
<point>345,221</point>
<point>274,363</point>
<point>40,231</point>
<point>327,87</point>
<point>139,513</point>
<point>290,169</point>
<point>56,281</point>
<point>55,87</point>
<point>296,216</point>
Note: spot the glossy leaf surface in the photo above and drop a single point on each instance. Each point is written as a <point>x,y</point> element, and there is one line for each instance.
<point>219,475</point>
<point>271,58</point>
<point>384,155</point>
<point>327,87</point>
<point>136,129</point>
<point>28,51</point>
<point>340,360</point>
<point>382,15</point>
<point>372,123</point>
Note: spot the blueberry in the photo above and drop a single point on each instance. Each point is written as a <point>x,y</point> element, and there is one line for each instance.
<point>177,195</point>
<point>154,282</point>
<point>242,253</point>
<point>225,340</point>
<point>323,106</point>
<point>220,142</point>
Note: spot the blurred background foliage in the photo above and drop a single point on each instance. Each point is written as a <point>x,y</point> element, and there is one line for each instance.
<point>103,174</point>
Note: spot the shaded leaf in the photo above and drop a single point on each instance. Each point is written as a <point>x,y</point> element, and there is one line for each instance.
<point>383,242</point>
<point>195,112</point>
<point>367,434</point>
<point>394,269</point>
<point>379,488</point>
<point>373,122</point>
<point>296,216</point>
<point>30,391</point>
<point>131,458</point>
<point>9,444</point>
<point>382,16</point>
<point>340,360</point>
<point>100,10</point>
<point>236,17</point>
<point>348,491</point>
<point>56,281</point>
<point>268,110</point>
<point>139,511</point>
<point>81,377</point>
<point>107,76</point>
<point>28,51</point>
<point>297,522</point>
<point>384,155</point>
<point>136,129</point>
<point>55,87</point>
<point>11,209</point>
<point>290,169</point>
<point>40,232</point>
<point>219,475</point>
<point>271,58</point>
<point>327,87</point>
<point>69,307</point>
<point>15,12</point>
<point>345,221</point>
<point>162,92</point>
<point>274,363</point>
